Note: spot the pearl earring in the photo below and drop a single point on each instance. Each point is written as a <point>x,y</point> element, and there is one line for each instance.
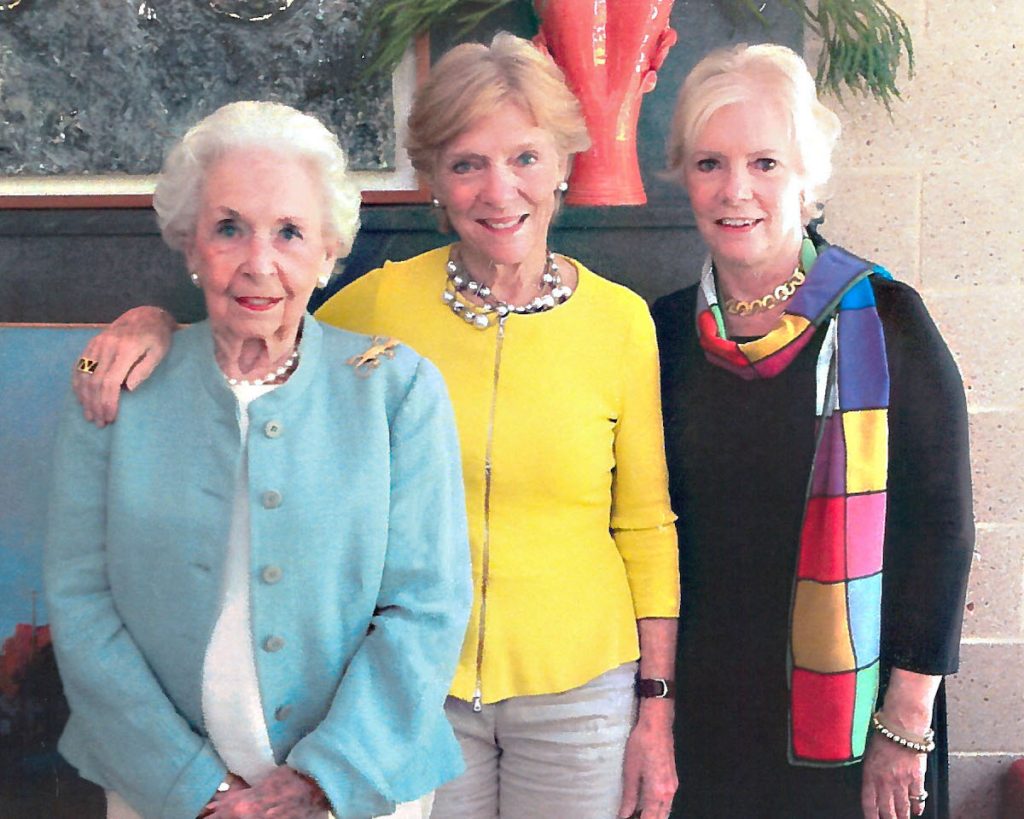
<point>563,186</point>
<point>435,202</point>
<point>195,278</point>
<point>323,281</point>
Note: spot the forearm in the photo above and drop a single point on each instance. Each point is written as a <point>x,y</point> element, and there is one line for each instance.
<point>909,699</point>
<point>657,661</point>
<point>146,318</point>
<point>894,769</point>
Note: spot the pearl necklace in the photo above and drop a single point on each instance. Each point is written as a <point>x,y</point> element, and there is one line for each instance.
<point>494,309</point>
<point>783,292</point>
<point>288,365</point>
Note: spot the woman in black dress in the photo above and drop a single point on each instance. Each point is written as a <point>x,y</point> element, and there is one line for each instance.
<point>817,446</point>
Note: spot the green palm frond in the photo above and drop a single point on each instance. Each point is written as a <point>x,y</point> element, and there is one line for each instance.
<point>396,23</point>
<point>864,42</point>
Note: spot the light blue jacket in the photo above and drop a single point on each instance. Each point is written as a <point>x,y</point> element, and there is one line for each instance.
<point>360,575</point>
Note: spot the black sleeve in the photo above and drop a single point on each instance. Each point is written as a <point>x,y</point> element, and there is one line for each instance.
<point>929,539</point>
<point>674,319</point>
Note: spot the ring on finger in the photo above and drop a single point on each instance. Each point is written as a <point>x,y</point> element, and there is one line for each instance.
<point>920,797</point>
<point>86,365</point>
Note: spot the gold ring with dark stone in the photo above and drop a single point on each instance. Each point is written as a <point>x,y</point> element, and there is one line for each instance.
<point>86,365</point>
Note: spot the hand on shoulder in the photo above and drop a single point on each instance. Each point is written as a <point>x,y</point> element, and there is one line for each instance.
<point>125,355</point>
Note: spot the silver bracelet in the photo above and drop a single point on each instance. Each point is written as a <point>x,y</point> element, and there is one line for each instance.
<point>924,746</point>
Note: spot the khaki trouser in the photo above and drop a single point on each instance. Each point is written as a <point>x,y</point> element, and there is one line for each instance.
<point>550,755</point>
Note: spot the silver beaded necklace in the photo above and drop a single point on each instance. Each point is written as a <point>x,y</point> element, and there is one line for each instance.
<point>459,283</point>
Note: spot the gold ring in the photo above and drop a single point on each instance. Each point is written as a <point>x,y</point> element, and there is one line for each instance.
<point>86,365</point>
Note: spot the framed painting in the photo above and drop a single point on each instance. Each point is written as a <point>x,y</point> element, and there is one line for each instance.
<point>93,92</point>
<point>34,780</point>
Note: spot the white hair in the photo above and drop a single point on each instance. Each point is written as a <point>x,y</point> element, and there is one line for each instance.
<point>261,125</point>
<point>744,73</point>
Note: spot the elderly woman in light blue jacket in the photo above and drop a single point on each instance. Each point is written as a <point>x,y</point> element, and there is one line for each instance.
<point>258,580</point>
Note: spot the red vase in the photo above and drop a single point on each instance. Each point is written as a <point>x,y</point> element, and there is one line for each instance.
<point>610,51</point>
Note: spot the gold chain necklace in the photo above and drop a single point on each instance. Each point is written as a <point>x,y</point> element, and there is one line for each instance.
<point>785,291</point>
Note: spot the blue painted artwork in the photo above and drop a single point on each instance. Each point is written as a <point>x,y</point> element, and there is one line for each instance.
<point>35,381</point>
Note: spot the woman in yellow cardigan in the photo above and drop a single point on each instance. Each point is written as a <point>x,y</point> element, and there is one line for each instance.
<point>553,374</point>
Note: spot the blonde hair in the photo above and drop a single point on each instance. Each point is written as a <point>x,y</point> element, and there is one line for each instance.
<point>744,73</point>
<point>261,125</point>
<point>473,80</point>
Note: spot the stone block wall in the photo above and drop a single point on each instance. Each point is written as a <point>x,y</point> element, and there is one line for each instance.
<point>935,194</point>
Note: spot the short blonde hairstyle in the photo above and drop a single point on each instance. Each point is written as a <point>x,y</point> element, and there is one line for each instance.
<point>743,73</point>
<point>267,126</point>
<point>473,80</point>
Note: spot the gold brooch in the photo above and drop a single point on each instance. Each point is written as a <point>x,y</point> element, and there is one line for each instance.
<point>369,360</point>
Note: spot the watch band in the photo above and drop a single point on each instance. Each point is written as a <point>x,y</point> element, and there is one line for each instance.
<point>656,688</point>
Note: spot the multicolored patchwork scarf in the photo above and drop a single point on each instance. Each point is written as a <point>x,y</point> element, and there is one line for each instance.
<point>835,611</point>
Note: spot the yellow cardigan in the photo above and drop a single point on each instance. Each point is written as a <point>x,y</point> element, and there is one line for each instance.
<point>576,539</point>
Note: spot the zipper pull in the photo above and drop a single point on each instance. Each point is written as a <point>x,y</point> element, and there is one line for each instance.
<point>477,705</point>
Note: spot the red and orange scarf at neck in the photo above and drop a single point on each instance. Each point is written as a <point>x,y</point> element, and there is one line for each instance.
<point>835,610</point>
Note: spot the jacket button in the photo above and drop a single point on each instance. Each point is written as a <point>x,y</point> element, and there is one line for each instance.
<point>272,574</point>
<point>273,429</point>
<point>273,643</point>
<point>282,712</point>
<point>272,499</point>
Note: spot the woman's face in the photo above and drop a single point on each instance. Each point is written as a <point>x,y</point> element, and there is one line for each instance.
<point>259,245</point>
<point>744,178</point>
<point>497,181</point>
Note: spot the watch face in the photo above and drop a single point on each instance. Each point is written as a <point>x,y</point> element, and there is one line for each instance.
<point>250,11</point>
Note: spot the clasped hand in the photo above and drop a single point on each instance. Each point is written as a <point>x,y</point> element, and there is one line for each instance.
<point>284,794</point>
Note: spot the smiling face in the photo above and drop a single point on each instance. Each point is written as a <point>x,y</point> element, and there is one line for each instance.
<point>259,245</point>
<point>497,181</point>
<point>744,178</point>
